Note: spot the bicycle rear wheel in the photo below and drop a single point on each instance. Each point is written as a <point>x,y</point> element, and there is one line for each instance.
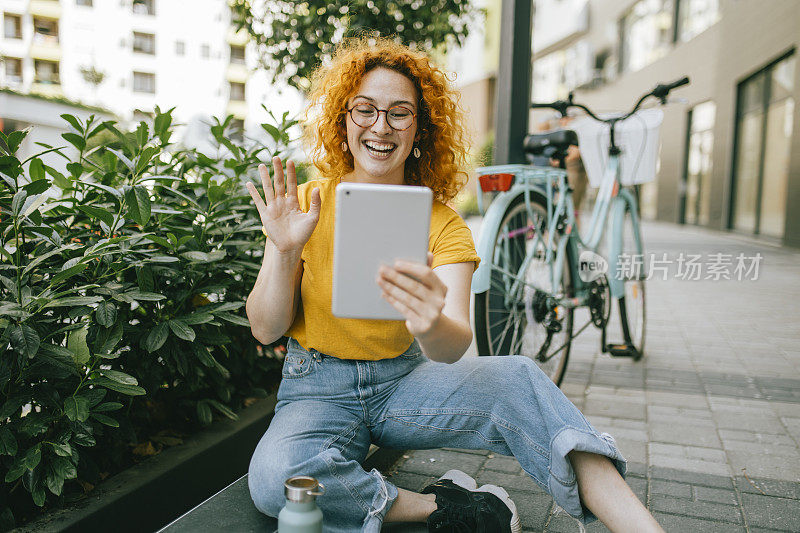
<point>632,304</point>
<point>524,323</point>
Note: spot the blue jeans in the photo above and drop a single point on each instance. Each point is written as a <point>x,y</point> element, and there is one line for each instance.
<point>329,411</point>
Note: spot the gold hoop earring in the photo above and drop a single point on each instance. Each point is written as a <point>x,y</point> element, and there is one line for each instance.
<point>344,146</point>
<point>416,152</point>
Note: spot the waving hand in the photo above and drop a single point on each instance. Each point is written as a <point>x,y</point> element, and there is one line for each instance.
<point>288,227</point>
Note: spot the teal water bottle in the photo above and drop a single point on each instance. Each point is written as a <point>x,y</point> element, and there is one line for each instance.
<point>301,514</point>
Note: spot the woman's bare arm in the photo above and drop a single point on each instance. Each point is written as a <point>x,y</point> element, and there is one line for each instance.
<point>435,304</point>
<point>272,304</point>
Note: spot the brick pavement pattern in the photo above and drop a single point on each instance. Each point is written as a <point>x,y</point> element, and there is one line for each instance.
<point>709,420</point>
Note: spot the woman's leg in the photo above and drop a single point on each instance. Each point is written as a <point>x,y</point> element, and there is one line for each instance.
<point>607,495</point>
<point>327,442</point>
<point>504,404</point>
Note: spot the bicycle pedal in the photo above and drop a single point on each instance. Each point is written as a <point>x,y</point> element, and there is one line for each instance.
<point>620,350</point>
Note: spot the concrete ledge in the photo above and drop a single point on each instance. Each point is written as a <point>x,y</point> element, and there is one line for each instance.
<point>231,509</point>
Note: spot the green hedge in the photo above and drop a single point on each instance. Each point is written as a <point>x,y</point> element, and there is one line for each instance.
<point>122,291</point>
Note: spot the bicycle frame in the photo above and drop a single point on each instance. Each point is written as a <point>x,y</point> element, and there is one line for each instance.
<point>611,204</point>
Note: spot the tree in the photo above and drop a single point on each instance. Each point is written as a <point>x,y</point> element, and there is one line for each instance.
<point>294,37</point>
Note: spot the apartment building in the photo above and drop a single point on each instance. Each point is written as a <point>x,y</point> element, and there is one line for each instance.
<point>127,56</point>
<point>730,155</point>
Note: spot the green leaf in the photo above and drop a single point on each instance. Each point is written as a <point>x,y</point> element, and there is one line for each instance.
<point>119,377</point>
<point>72,301</point>
<point>8,444</point>
<point>157,337</point>
<point>197,318</point>
<point>58,356</point>
<point>130,390</point>
<point>61,448</point>
<point>17,469</point>
<point>64,467</point>
<point>106,313</point>
<point>233,319</point>
<point>197,256</point>
<point>18,201</point>
<point>36,170</point>
<point>13,309</point>
<point>138,201</point>
<point>15,138</point>
<point>75,140</point>
<point>181,330</point>
<point>144,277</point>
<point>25,340</point>
<point>76,343</point>
<point>108,406</point>
<point>142,296</point>
<point>223,409</point>
<point>73,121</point>
<point>107,339</point>
<point>55,483</point>
<point>66,274</point>
<point>33,456</point>
<point>107,420</point>
<point>76,408</point>
<point>95,212</point>
<point>203,413</point>
<point>58,178</point>
<point>114,192</point>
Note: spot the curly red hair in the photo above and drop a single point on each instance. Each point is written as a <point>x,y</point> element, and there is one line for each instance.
<point>441,135</point>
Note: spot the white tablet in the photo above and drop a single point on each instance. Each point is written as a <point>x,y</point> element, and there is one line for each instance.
<point>375,225</point>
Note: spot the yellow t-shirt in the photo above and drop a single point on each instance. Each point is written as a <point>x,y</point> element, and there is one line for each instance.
<point>315,327</point>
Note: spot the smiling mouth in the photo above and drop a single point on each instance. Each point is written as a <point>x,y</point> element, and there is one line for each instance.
<point>379,149</point>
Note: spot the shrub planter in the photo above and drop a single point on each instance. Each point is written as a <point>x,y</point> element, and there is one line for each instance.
<point>150,494</point>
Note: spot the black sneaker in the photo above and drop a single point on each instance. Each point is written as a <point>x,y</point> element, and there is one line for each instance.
<point>462,507</point>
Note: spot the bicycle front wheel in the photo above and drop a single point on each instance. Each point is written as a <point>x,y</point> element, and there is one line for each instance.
<point>517,315</point>
<point>632,304</point>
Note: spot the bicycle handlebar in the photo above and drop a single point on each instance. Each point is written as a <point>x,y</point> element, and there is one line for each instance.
<point>660,91</point>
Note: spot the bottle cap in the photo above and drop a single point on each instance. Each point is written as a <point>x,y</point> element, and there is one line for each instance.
<point>303,489</point>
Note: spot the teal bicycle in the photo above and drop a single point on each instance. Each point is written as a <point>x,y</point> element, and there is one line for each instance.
<point>536,269</point>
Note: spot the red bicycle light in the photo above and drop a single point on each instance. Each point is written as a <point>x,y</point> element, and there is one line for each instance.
<point>496,182</point>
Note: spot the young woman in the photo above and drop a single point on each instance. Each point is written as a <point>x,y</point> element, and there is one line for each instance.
<point>384,114</point>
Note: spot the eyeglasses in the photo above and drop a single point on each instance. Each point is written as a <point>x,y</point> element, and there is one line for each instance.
<point>398,117</point>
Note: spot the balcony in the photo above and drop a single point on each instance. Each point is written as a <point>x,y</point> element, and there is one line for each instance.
<point>237,38</point>
<point>45,8</point>
<point>237,73</point>
<point>237,109</point>
<point>45,43</point>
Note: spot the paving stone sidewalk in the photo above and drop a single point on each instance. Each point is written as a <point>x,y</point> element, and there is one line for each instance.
<point>710,419</point>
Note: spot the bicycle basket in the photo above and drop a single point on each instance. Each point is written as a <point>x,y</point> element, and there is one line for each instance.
<point>637,137</point>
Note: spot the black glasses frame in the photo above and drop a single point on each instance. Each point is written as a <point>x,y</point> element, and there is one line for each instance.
<point>378,114</point>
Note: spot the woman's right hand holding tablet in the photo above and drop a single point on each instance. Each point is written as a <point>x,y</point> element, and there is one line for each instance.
<point>286,225</point>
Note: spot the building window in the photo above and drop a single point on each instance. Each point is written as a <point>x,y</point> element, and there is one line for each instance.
<point>144,43</point>
<point>237,54</point>
<point>237,129</point>
<point>46,72</point>
<point>695,16</point>
<point>13,70</point>
<point>144,82</point>
<point>765,108</point>
<point>697,170</point>
<point>12,26</point>
<point>87,3</point>
<point>646,33</point>
<point>180,48</point>
<point>237,91</point>
<point>557,73</point>
<point>45,31</point>
<point>144,7</point>
<point>205,51</point>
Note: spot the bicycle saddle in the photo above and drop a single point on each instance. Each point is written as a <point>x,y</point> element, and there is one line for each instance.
<point>550,143</point>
